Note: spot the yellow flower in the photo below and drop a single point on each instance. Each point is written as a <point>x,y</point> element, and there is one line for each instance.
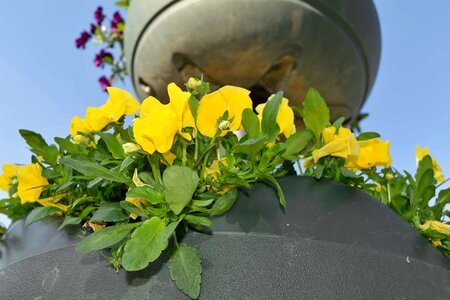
<point>214,105</point>
<point>420,154</point>
<point>437,226</point>
<point>119,103</point>
<point>95,226</point>
<point>156,128</point>
<point>169,157</point>
<point>214,169</point>
<point>179,102</point>
<point>79,125</point>
<point>31,183</point>
<point>118,96</point>
<point>343,144</point>
<point>9,171</point>
<point>372,153</point>
<point>53,201</point>
<point>285,117</point>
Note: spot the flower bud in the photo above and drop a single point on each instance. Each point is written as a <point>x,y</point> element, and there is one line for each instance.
<point>224,125</point>
<point>81,139</point>
<point>378,188</point>
<point>193,83</point>
<point>389,176</point>
<point>130,147</point>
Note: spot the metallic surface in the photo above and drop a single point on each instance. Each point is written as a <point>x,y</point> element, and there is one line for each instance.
<point>330,242</point>
<point>262,45</point>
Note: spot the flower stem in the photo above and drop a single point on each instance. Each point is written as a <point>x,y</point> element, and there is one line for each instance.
<point>154,164</point>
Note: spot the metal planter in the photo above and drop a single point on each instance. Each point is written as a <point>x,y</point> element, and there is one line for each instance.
<point>262,45</point>
<point>331,242</point>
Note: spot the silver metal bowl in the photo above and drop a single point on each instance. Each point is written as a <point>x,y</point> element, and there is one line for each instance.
<point>262,45</point>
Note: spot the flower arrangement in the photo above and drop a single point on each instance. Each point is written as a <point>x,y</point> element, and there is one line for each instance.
<point>139,186</point>
<point>111,39</point>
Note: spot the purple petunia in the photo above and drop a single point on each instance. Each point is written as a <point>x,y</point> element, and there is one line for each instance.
<point>117,18</point>
<point>100,57</point>
<point>93,28</point>
<point>98,15</point>
<point>82,40</point>
<point>104,82</point>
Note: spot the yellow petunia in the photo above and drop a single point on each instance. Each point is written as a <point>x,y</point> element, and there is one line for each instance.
<point>155,131</point>
<point>285,117</point>
<point>372,153</point>
<point>420,154</point>
<point>119,103</point>
<point>79,125</point>
<point>214,169</point>
<point>53,201</point>
<point>437,226</point>
<point>343,144</point>
<point>31,183</point>
<point>9,171</point>
<point>214,105</point>
<point>179,102</point>
<point>118,96</point>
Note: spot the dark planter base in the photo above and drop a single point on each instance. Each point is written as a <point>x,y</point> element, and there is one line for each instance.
<point>331,242</point>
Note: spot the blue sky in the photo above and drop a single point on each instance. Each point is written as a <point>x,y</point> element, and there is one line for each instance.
<point>45,80</point>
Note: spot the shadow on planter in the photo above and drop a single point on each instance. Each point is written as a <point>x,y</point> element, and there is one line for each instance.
<point>331,242</point>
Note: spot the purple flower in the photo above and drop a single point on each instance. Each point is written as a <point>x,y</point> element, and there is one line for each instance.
<point>104,83</point>
<point>98,15</point>
<point>102,57</point>
<point>82,40</point>
<point>93,28</point>
<point>117,18</point>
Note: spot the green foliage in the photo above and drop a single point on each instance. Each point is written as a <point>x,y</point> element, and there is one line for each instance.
<point>145,245</point>
<point>148,201</point>
<point>180,183</point>
<point>316,114</point>
<point>185,268</point>
<point>39,213</point>
<point>106,237</point>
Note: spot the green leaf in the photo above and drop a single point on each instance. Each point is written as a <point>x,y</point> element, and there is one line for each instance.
<point>269,124</point>
<point>277,186</point>
<point>123,3</point>
<point>193,105</point>
<point>130,207</point>
<point>39,146</point>
<point>106,237</point>
<point>148,193</point>
<point>224,203</point>
<point>202,203</point>
<point>198,220</point>
<point>185,267</point>
<point>109,212</point>
<point>250,146</point>
<point>67,145</point>
<point>113,144</point>
<point>145,245</point>
<point>81,200</point>
<point>316,114</point>
<point>444,196</point>
<point>127,162</point>
<point>298,141</point>
<point>251,124</point>
<point>425,188</point>
<point>39,213</point>
<point>338,123</point>
<point>70,221</point>
<point>93,169</point>
<point>180,183</point>
<point>170,229</point>
<point>367,136</point>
